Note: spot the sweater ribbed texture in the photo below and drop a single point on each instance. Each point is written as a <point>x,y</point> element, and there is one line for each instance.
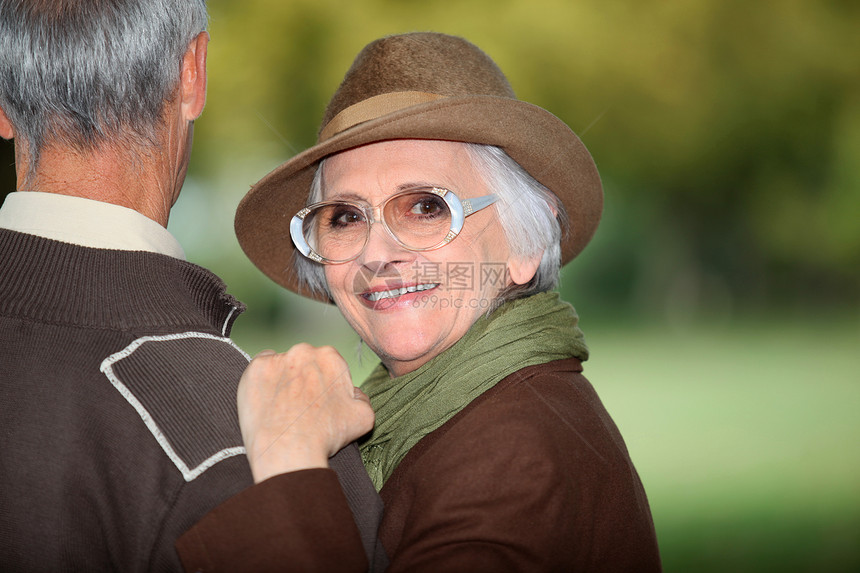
<point>58,283</point>
<point>118,425</point>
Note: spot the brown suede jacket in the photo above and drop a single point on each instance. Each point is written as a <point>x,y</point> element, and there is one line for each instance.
<point>533,475</point>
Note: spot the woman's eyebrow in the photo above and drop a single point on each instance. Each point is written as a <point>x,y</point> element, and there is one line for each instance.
<point>418,184</point>
<point>354,196</point>
<point>346,196</point>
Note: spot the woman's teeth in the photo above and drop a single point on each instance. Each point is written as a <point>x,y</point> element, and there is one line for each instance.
<point>378,295</point>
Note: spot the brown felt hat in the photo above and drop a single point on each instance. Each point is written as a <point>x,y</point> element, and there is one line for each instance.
<point>422,86</point>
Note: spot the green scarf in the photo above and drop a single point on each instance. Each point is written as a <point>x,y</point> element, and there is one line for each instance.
<point>524,332</point>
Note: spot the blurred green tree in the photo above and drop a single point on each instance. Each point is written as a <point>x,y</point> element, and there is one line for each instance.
<point>727,132</point>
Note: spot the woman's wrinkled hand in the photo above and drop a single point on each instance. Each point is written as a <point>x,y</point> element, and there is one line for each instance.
<point>298,408</point>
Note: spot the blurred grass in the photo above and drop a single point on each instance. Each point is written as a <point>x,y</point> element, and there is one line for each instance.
<point>744,433</point>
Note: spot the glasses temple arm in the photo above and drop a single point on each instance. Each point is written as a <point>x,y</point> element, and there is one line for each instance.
<point>476,204</point>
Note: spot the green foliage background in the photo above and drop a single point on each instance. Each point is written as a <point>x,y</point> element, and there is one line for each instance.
<point>721,296</point>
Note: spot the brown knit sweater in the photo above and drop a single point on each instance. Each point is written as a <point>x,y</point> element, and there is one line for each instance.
<point>118,425</point>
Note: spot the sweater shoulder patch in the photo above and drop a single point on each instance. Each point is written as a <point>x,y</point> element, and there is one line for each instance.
<point>183,387</point>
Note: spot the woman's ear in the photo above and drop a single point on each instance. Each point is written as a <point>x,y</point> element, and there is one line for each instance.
<point>6,130</point>
<point>522,270</point>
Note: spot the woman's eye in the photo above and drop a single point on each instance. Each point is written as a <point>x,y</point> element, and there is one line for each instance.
<point>426,207</point>
<point>345,217</point>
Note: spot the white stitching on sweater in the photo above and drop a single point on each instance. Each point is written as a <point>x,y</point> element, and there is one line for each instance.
<point>227,322</point>
<point>107,368</point>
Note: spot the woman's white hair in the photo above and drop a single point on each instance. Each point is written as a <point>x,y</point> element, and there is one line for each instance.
<point>532,217</point>
<point>82,72</point>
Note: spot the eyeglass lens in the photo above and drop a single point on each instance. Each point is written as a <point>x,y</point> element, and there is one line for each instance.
<point>339,231</point>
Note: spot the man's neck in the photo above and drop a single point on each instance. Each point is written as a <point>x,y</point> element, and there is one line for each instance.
<point>135,181</point>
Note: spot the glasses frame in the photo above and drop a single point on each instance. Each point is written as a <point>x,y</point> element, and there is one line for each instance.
<point>460,209</point>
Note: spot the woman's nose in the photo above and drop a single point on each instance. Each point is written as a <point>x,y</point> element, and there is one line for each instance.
<point>382,249</point>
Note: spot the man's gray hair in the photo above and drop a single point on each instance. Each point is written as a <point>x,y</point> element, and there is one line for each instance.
<point>532,217</point>
<point>79,73</point>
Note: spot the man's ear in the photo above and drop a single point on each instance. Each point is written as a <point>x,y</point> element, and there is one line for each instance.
<point>522,270</point>
<point>6,129</point>
<point>192,80</point>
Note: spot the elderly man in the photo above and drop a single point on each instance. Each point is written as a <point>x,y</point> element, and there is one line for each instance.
<point>118,381</point>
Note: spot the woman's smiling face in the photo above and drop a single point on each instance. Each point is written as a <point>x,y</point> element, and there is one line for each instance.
<point>410,306</point>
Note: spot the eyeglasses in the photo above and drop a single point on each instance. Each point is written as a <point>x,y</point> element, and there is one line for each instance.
<point>420,219</point>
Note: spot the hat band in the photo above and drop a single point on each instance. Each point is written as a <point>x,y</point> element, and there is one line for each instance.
<point>372,108</point>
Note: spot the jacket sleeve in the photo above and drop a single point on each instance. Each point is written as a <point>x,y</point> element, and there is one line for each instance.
<point>299,521</point>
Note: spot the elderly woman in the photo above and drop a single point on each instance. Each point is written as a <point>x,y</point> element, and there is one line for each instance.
<point>435,212</point>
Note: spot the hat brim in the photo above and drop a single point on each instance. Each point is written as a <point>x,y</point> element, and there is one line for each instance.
<point>537,140</point>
